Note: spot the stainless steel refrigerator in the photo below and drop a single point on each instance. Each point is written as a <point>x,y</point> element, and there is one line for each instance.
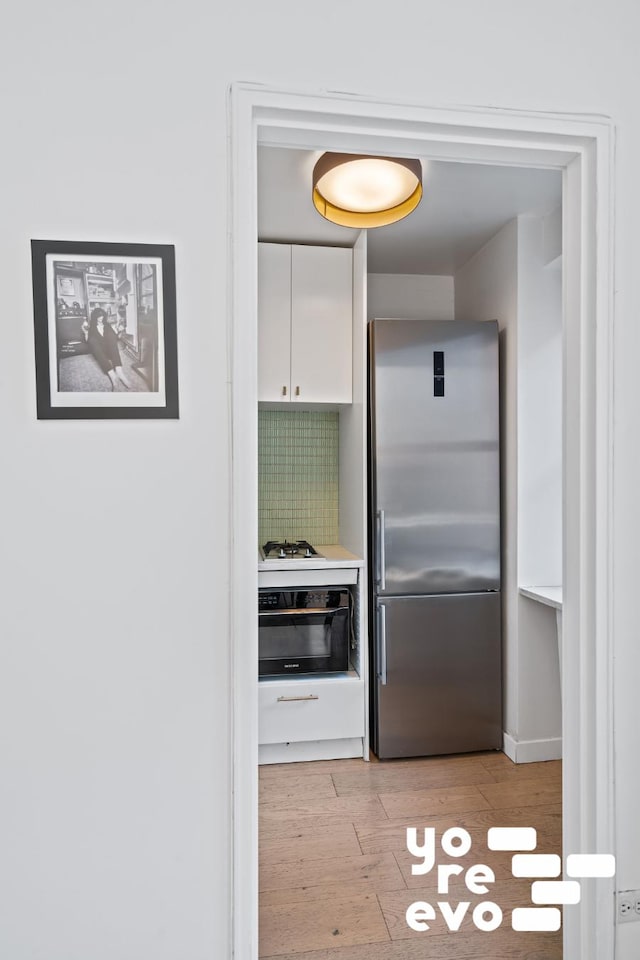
<point>435,537</point>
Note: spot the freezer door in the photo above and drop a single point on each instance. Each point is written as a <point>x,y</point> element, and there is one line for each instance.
<point>435,462</point>
<point>438,685</point>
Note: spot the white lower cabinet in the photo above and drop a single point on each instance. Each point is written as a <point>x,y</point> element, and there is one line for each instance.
<point>316,716</point>
<point>311,709</point>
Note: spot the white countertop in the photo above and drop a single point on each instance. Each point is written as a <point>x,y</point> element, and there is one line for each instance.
<point>549,595</point>
<point>333,555</point>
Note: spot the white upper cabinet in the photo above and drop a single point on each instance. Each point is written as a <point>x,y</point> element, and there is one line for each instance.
<point>321,324</point>
<point>305,320</point>
<point>274,321</point>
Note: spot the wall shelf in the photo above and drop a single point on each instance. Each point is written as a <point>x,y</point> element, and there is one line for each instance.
<point>549,595</point>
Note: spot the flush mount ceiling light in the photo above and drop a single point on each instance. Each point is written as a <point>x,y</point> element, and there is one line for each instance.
<point>362,191</point>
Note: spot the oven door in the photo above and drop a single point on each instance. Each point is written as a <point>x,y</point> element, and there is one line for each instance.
<point>310,640</point>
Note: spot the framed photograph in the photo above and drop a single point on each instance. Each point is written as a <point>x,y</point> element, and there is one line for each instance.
<point>105,330</point>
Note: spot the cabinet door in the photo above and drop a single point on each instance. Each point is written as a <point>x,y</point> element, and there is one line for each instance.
<point>321,324</point>
<point>274,321</point>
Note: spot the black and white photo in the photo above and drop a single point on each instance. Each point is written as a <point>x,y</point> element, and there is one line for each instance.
<point>105,330</point>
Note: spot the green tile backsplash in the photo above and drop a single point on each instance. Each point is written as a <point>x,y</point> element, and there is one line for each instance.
<point>298,476</point>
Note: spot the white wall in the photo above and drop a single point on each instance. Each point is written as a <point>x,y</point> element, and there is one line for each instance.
<point>539,409</point>
<point>486,288</point>
<point>552,238</point>
<point>413,296</point>
<point>113,717</point>
<point>539,456</point>
<point>506,280</point>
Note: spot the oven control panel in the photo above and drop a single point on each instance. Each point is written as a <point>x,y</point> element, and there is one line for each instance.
<point>268,601</point>
<point>302,599</point>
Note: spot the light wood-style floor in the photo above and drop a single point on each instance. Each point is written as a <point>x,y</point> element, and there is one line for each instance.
<point>335,875</point>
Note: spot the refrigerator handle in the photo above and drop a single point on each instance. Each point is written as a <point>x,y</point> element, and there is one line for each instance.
<point>382,651</point>
<point>381,551</point>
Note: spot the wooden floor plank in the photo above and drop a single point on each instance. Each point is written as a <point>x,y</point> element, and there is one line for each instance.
<point>343,809</point>
<point>272,827</point>
<point>267,771</point>
<point>300,927</point>
<point>500,945</point>
<point>378,836</point>
<point>331,891</point>
<point>502,768</point>
<point>521,793</point>
<point>506,894</point>
<point>500,863</point>
<point>433,802</point>
<point>295,787</point>
<point>304,879</point>
<point>310,841</point>
<point>379,778</point>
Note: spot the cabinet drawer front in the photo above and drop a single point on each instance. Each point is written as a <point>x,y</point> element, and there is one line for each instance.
<point>307,578</point>
<point>335,709</point>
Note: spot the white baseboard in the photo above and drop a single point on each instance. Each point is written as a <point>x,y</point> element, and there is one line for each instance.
<point>310,750</point>
<point>531,751</point>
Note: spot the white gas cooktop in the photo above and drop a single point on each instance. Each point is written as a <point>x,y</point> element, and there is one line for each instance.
<point>289,551</point>
<point>327,554</point>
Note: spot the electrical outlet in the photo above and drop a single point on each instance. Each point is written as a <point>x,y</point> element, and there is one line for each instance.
<point>628,905</point>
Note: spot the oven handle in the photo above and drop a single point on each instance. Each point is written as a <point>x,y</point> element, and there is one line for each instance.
<point>310,611</point>
<point>382,651</point>
<point>382,560</point>
<point>310,696</point>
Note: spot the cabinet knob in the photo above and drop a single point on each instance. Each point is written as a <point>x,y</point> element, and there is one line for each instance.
<point>297,391</point>
<point>284,391</point>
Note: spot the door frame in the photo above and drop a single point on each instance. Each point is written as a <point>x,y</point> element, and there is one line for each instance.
<point>582,148</point>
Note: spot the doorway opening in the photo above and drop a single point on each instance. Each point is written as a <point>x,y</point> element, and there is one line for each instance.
<point>572,146</point>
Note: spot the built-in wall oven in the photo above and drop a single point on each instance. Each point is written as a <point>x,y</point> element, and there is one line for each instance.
<point>304,630</point>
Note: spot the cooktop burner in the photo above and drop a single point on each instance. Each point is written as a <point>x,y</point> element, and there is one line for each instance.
<point>284,550</point>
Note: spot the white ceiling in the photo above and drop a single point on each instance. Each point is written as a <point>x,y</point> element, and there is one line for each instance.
<point>463,206</point>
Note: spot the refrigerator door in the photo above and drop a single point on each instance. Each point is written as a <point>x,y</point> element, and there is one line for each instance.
<point>438,680</point>
<point>435,463</point>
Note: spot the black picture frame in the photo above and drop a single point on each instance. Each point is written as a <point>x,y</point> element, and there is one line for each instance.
<point>105,330</point>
